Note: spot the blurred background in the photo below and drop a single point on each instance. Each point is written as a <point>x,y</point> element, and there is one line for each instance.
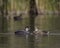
<point>14,16</point>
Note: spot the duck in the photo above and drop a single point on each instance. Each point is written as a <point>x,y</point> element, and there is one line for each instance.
<point>36,32</point>
<point>41,32</point>
<point>22,32</point>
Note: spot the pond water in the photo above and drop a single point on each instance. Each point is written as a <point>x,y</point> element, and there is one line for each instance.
<point>50,23</point>
<point>13,41</point>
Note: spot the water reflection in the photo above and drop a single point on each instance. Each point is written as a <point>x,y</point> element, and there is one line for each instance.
<point>54,41</point>
<point>4,41</point>
<point>31,41</point>
<point>12,41</point>
<point>50,23</point>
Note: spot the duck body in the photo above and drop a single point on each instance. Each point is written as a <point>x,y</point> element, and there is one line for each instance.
<point>41,32</point>
<point>45,33</point>
<point>21,33</point>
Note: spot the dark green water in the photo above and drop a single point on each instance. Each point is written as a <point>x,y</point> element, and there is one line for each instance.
<point>12,41</point>
<point>51,23</point>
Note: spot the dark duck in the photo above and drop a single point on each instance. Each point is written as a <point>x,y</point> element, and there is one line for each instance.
<point>22,32</point>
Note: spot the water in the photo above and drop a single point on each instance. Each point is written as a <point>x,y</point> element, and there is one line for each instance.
<point>13,41</point>
<point>47,22</point>
<point>50,23</point>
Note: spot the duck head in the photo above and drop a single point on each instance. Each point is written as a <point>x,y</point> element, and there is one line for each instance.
<point>26,28</point>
